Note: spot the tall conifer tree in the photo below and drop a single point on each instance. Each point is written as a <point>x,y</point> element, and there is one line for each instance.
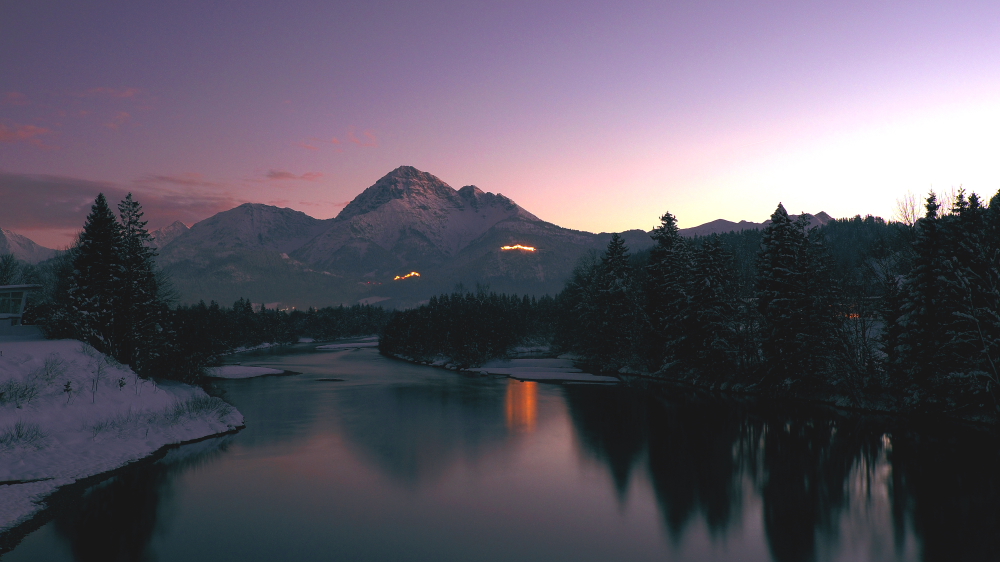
<point>93,294</point>
<point>616,308</point>
<point>141,304</point>
<point>796,300</point>
<point>668,302</point>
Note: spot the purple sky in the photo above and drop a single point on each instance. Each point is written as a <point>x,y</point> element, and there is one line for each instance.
<point>596,116</point>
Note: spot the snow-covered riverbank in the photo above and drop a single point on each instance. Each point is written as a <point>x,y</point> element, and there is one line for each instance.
<point>68,412</point>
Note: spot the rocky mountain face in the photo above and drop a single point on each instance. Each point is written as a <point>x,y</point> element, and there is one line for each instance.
<point>23,247</point>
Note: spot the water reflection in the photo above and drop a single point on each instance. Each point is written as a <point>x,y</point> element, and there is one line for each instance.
<point>521,405</point>
<point>376,465</point>
<point>415,432</point>
<point>116,519</point>
<point>830,486</point>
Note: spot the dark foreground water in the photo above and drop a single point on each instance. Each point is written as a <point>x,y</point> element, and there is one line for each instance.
<point>399,462</point>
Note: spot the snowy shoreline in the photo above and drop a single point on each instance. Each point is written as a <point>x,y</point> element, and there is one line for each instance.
<point>556,370</point>
<point>69,414</point>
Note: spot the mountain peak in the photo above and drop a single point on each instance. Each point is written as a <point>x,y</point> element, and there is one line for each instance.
<point>167,234</point>
<point>405,182</point>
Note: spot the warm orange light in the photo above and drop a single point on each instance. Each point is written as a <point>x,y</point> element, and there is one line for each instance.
<point>522,405</point>
<point>518,247</point>
<point>407,276</point>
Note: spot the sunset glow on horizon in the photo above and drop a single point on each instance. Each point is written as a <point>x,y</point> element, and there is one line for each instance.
<point>593,117</point>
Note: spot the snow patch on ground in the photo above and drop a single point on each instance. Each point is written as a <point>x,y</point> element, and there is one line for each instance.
<point>342,346</point>
<point>546,370</point>
<point>68,412</point>
<point>241,372</point>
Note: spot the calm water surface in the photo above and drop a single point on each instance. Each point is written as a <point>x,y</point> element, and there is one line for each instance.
<point>401,462</point>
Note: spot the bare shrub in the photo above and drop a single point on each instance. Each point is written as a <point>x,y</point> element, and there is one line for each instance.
<point>17,393</point>
<point>21,435</point>
<point>200,406</point>
<point>53,368</point>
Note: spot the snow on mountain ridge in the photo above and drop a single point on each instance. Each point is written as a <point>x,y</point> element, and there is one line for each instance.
<point>167,234</point>
<point>23,247</point>
<point>248,226</point>
<point>416,210</point>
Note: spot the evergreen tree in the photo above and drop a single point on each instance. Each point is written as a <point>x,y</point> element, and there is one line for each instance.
<point>93,298</point>
<point>927,303</point>
<point>668,304</point>
<point>141,305</point>
<point>795,298</point>
<point>617,320</point>
<point>712,341</point>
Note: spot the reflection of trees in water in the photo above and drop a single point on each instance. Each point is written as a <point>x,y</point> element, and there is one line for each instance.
<point>115,520</point>
<point>611,427</point>
<point>277,411</point>
<point>814,471</point>
<point>949,483</point>
<point>413,433</point>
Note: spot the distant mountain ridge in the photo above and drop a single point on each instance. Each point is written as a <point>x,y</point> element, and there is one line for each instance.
<point>23,247</point>
<point>720,226</point>
<point>408,220</point>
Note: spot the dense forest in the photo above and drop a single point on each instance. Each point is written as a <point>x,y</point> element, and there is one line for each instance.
<point>107,291</point>
<point>861,312</point>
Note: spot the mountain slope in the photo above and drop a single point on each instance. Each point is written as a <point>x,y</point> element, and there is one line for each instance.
<point>408,217</point>
<point>23,247</point>
<point>167,234</point>
<point>251,226</point>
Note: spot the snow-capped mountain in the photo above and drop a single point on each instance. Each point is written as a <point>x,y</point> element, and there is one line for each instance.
<point>167,234</point>
<point>251,226</point>
<point>23,247</point>
<point>409,216</point>
<point>408,220</point>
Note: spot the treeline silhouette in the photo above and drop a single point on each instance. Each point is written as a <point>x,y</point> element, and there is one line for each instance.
<point>107,291</point>
<point>861,312</point>
<point>469,328</point>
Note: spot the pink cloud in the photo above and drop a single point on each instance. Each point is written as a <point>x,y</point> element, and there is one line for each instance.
<point>24,133</point>
<point>14,98</point>
<point>186,180</point>
<point>369,141</point>
<point>55,207</point>
<point>113,93</point>
<point>279,175</point>
<point>118,120</point>
<point>306,146</point>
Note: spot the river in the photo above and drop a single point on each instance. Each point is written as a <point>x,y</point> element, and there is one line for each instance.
<point>400,462</point>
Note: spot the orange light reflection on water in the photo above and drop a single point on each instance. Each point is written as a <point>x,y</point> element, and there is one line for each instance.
<point>522,406</point>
